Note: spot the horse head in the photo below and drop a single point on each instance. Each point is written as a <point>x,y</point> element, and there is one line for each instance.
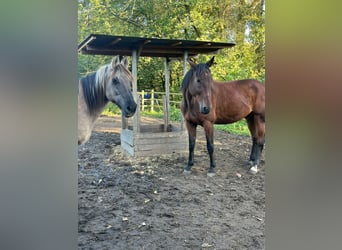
<point>118,88</point>
<point>200,85</point>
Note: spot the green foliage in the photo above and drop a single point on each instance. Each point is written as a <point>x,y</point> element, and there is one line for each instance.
<point>242,22</point>
<point>175,114</point>
<point>111,109</point>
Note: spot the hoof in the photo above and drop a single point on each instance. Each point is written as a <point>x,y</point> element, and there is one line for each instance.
<point>250,164</point>
<point>254,169</point>
<point>210,174</point>
<point>186,171</point>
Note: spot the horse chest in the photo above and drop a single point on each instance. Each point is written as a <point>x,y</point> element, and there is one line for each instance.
<point>199,119</point>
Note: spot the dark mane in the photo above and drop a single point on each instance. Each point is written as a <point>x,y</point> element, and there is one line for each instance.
<point>94,92</point>
<point>186,80</point>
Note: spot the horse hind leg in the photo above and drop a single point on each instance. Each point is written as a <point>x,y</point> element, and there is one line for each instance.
<point>252,129</point>
<point>258,146</point>
<point>256,125</point>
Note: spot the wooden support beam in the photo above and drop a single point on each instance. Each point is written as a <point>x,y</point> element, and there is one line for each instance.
<point>177,43</point>
<point>136,117</point>
<point>86,43</point>
<point>117,40</point>
<point>167,95</point>
<point>185,69</point>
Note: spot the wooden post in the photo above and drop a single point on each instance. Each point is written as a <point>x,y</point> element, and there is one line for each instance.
<point>137,130</point>
<point>135,89</point>
<point>152,100</point>
<point>142,100</point>
<point>167,94</point>
<point>185,63</point>
<point>166,113</point>
<point>185,69</point>
<point>124,122</point>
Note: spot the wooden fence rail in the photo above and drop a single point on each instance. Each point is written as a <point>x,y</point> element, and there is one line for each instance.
<point>153,101</point>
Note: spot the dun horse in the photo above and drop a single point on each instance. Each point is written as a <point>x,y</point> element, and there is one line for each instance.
<point>111,82</point>
<point>207,102</point>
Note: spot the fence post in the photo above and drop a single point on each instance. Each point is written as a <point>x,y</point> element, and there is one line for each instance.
<point>152,100</point>
<point>166,113</point>
<point>185,68</point>
<point>142,100</point>
<point>136,129</point>
<point>124,122</point>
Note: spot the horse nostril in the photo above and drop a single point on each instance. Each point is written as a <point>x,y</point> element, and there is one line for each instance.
<point>131,108</point>
<point>205,110</point>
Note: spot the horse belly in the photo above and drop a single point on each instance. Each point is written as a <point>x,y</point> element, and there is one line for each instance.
<point>233,109</point>
<point>226,115</point>
<point>225,121</point>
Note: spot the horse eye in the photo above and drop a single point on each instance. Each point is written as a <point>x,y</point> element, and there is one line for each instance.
<point>198,80</point>
<point>115,81</point>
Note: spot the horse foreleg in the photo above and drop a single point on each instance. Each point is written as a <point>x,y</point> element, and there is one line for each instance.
<point>192,141</point>
<point>209,134</point>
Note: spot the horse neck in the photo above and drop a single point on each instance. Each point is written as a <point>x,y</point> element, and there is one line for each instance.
<point>92,95</point>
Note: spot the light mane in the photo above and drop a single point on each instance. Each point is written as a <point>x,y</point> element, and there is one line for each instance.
<point>94,88</point>
<point>102,74</point>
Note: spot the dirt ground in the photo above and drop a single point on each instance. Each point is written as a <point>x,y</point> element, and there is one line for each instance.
<point>148,203</point>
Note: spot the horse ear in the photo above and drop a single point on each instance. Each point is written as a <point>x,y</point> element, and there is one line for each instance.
<point>125,62</point>
<point>210,62</point>
<point>192,64</point>
<point>115,61</point>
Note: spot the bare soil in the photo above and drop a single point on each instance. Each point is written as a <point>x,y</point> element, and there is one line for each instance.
<point>148,203</point>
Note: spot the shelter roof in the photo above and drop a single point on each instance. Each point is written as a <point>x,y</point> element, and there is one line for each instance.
<point>97,44</point>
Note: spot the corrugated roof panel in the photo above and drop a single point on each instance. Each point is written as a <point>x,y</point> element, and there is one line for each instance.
<point>98,44</point>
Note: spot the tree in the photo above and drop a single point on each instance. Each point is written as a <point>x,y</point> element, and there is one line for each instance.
<point>239,21</point>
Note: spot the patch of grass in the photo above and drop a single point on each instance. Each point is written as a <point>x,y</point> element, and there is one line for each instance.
<point>175,114</point>
<point>239,128</point>
<point>154,114</point>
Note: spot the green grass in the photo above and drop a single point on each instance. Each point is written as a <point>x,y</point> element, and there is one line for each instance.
<point>175,114</point>
<point>239,128</point>
<point>153,114</point>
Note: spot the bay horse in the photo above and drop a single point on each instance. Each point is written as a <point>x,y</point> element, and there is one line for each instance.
<point>207,102</point>
<point>111,82</point>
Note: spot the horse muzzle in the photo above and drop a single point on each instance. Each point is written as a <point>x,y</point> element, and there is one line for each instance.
<point>204,110</point>
<point>130,110</point>
<point>204,105</point>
